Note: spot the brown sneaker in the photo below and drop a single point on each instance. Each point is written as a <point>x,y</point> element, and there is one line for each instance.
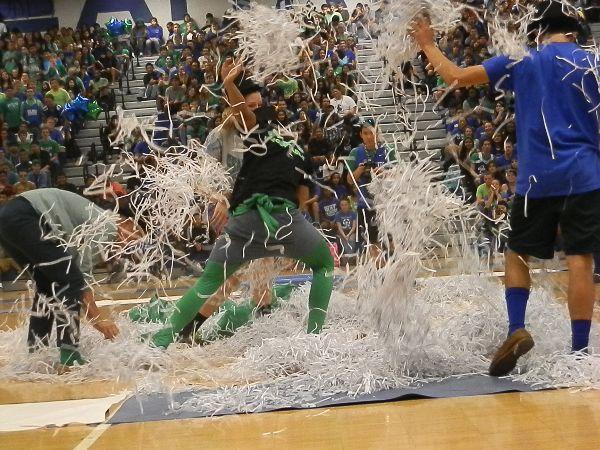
<point>515,346</point>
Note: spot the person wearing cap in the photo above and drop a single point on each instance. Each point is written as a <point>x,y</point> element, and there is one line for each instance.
<point>264,217</point>
<point>558,182</point>
<point>32,227</point>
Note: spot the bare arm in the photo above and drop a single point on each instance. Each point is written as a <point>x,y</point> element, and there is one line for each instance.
<point>490,200</point>
<point>230,71</point>
<point>303,193</point>
<point>451,74</point>
<point>356,174</point>
<point>94,316</point>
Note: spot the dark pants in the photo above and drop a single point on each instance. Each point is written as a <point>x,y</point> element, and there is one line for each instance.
<point>58,281</point>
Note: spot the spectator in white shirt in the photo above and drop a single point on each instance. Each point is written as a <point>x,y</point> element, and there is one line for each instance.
<point>342,104</point>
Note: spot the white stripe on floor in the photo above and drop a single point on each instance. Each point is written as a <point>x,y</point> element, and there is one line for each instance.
<point>92,437</point>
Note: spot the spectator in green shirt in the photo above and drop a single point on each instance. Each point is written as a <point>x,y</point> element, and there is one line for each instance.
<point>484,190</point>
<point>4,161</point>
<point>24,139</point>
<point>60,96</point>
<point>50,145</point>
<point>11,110</point>
<point>161,62</point>
<point>10,57</point>
<point>30,62</point>
<point>56,152</point>
<point>287,86</point>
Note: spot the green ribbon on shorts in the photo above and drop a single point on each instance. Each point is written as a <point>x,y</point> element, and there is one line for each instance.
<point>266,206</point>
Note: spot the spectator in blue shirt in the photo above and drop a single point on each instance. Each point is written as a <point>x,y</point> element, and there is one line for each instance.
<point>328,209</point>
<point>32,110</point>
<point>345,221</point>
<point>507,159</point>
<point>141,149</point>
<point>485,131</point>
<point>341,191</point>
<point>37,176</point>
<point>154,37</point>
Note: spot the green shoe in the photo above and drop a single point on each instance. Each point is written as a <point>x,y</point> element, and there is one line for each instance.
<point>156,311</point>
<point>163,338</point>
<point>70,358</point>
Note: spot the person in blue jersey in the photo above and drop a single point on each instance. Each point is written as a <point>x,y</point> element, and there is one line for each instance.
<point>365,160</point>
<point>558,181</point>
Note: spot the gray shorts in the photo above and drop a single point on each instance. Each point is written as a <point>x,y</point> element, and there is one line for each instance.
<point>246,238</point>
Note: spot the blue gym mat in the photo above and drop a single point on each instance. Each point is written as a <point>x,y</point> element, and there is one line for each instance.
<point>302,279</point>
<point>154,407</point>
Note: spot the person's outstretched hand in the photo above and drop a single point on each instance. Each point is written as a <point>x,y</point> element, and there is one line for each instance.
<point>421,32</point>
<point>219,217</point>
<point>108,328</point>
<point>231,69</point>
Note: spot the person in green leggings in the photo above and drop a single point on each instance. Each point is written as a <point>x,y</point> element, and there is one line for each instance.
<point>234,314</point>
<point>264,217</point>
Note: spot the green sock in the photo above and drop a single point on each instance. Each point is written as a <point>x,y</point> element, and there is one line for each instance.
<point>187,307</point>
<point>321,263</point>
<point>69,357</point>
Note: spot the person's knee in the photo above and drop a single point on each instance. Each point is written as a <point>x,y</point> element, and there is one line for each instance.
<point>580,263</point>
<point>324,264</point>
<point>513,257</point>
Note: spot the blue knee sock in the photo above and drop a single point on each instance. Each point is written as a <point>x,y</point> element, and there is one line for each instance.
<point>581,334</point>
<point>516,304</point>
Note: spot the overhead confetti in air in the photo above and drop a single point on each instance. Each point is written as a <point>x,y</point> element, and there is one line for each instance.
<point>394,43</point>
<point>270,41</point>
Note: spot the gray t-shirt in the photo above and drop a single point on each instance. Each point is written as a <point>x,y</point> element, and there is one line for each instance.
<point>64,212</point>
<point>225,146</point>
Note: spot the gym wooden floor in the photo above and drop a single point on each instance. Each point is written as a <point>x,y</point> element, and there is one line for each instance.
<point>550,419</point>
<point>547,419</point>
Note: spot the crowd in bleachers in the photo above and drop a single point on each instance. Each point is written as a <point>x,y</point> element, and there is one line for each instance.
<point>318,102</point>
<point>41,72</point>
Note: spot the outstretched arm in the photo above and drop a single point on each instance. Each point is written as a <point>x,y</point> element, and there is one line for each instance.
<point>452,75</point>
<point>92,313</point>
<point>230,71</point>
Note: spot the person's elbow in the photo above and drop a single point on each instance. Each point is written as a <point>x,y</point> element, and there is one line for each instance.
<point>456,78</point>
<point>465,77</point>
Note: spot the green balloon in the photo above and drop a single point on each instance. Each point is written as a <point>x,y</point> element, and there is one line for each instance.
<point>128,25</point>
<point>94,110</point>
